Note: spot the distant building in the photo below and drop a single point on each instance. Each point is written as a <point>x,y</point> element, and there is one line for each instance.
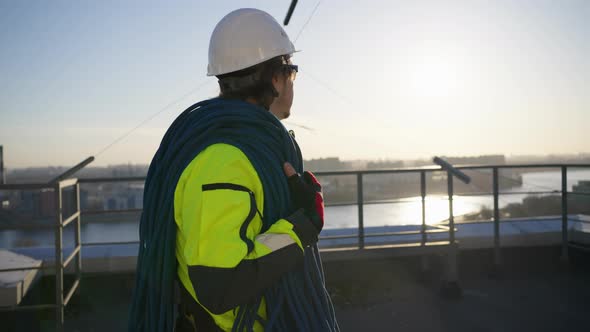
<point>326,164</point>
<point>128,198</point>
<point>28,204</point>
<point>47,202</point>
<point>84,199</point>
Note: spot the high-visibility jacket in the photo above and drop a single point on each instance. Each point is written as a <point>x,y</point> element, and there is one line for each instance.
<point>223,258</point>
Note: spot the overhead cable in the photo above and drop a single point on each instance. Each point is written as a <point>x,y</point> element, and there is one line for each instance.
<point>120,138</point>
<point>307,22</point>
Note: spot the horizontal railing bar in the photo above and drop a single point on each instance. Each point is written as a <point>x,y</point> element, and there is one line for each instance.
<point>459,194</point>
<point>89,244</point>
<point>72,255</point>
<point>25,186</point>
<point>438,169</point>
<point>123,179</point>
<point>98,212</point>
<point>70,219</point>
<point>523,166</point>
<point>25,226</point>
<point>71,291</point>
<point>410,199</point>
<point>336,237</point>
<point>519,220</point>
<point>354,236</point>
<point>28,307</point>
<point>443,197</point>
<point>67,183</point>
<point>379,171</point>
<point>340,204</point>
<point>396,201</point>
<point>409,244</point>
<point>512,193</point>
<point>370,246</point>
<point>530,192</point>
<point>406,233</point>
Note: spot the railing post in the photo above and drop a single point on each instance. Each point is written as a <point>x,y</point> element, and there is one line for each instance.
<point>564,213</point>
<point>451,217</point>
<point>423,196</point>
<point>2,174</point>
<point>58,263</point>
<point>78,240</point>
<point>497,254</point>
<point>424,260</point>
<point>451,288</point>
<point>359,201</point>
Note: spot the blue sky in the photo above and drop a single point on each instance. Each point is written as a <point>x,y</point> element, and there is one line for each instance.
<point>379,79</point>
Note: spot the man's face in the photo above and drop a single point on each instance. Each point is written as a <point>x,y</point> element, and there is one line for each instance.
<point>281,106</point>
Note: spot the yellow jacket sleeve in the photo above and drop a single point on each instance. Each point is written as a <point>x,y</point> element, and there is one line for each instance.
<point>224,259</point>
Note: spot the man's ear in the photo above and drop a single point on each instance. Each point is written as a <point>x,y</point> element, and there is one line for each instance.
<point>277,83</point>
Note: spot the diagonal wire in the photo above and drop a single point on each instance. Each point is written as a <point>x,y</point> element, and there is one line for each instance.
<point>326,86</point>
<point>125,135</point>
<point>307,22</point>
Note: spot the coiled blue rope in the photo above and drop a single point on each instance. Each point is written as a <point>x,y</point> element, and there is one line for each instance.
<point>299,300</point>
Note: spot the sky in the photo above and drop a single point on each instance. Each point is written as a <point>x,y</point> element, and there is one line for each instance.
<point>378,79</point>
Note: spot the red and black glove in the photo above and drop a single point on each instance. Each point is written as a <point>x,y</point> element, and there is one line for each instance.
<point>306,192</point>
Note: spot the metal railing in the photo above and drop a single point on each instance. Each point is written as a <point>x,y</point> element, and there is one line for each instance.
<point>423,172</point>
<point>62,297</point>
<point>495,193</point>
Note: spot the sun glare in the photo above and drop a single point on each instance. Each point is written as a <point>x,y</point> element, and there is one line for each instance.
<point>433,77</point>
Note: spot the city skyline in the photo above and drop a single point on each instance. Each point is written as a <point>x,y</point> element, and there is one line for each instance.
<point>386,80</point>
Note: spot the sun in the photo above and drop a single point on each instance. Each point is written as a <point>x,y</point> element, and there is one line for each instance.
<point>434,77</point>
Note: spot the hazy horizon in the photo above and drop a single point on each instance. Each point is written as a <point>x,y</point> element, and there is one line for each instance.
<point>386,80</point>
<point>509,158</point>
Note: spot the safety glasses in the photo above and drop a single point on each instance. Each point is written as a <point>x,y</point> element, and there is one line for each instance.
<point>291,70</point>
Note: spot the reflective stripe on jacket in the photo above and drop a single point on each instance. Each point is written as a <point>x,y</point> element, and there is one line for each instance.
<point>224,259</point>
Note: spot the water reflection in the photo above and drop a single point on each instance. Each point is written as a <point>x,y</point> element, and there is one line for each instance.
<point>407,212</point>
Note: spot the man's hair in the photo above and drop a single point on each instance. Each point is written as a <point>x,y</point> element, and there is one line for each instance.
<point>253,82</point>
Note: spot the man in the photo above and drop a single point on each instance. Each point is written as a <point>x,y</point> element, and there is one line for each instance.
<point>245,222</point>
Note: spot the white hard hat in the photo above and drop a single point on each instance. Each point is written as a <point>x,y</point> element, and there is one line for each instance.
<point>244,38</point>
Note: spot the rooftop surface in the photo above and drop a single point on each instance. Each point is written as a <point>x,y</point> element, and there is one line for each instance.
<point>534,291</point>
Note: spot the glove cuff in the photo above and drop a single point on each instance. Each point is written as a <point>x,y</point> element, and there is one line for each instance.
<point>303,228</point>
